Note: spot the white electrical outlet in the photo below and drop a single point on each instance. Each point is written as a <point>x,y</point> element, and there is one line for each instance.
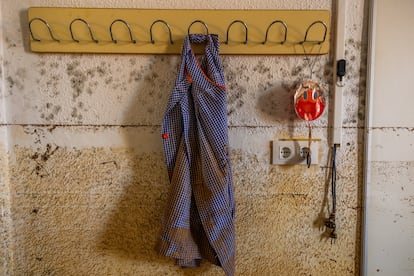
<point>294,152</point>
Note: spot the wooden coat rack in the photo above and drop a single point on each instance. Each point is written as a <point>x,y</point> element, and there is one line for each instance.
<point>161,31</point>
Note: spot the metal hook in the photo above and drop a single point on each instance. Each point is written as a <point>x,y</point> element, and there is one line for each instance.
<point>128,27</point>
<point>46,24</point>
<point>271,24</point>
<point>316,41</point>
<point>197,21</point>
<point>87,25</point>
<point>228,30</point>
<point>166,24</point>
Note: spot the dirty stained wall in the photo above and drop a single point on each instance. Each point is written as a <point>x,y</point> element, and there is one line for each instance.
<point>83,180</point>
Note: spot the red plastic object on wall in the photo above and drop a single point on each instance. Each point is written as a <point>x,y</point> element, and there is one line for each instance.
<point>309,101</point>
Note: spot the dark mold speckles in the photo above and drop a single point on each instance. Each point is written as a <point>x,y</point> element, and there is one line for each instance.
<point>328,73</point>
<point>54,65</point>
<point>72,66</point>
<point>41,63</point>
<point>37,133</point>
<point>18,79</point>
<point>77,80</point>
<point>353,62</point>
<point>109,80</point>
<point>10,82</point>
<point>9,43</point>
<point>135,75</point>
<point>49,78</point>
<point>88,81</point>
<point>48,117</point>
<point>133,61</point>
<point>75,114</point>
<point>354,44</point>
<point>14,83</point>
<point>409,200</point>
<point>52,83</point>
<point>235,97</point>
<point>297,71</point>
<point>261,68</point>
<point>151,78</point>
<point>119,86</point>
<point>56,109</point>
<point>102,69</point>
<point>356,79</point>
<point>235,90</point>
<point>90,73</point>
<point>51,111</point>
<point>78,84</point>
<point>41,159</point>
<point>307,69</point>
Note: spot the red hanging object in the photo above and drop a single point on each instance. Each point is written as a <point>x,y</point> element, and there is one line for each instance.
<point>309,101</point>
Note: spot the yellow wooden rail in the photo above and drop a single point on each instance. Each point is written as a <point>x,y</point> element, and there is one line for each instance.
<point>88,30</point>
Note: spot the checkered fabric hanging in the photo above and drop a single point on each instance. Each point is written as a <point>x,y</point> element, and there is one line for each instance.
<point>199,218</point>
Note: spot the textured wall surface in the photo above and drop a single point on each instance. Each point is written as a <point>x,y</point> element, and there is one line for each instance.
<point>83,180</point>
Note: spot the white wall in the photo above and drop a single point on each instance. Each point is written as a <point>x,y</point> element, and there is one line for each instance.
<point>389,226</point>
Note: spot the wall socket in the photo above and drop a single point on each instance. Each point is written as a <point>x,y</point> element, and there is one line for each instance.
<point>294,152</point>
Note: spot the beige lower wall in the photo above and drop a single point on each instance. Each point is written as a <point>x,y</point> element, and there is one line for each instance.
<point>98,210</point>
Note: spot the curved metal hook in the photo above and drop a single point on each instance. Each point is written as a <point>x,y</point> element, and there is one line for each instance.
<point>245,28</point>
<point>87,25</point>
<point>46,24</point>
<point>166,24</point>
<point>271,24</point>
<point>315,41</point>
<point>197,21</point>
<point>128,27</point>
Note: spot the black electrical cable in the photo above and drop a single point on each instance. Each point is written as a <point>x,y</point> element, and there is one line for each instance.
<point>333,179</point>
<point>330,222</point>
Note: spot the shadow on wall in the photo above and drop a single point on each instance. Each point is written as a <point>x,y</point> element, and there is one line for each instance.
<point>132,231</point>
<point>24,25</point>
<point>134,225</point>
<point>276,104</point>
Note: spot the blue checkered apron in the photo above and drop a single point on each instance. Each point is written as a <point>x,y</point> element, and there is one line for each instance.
<point>199,218</point>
